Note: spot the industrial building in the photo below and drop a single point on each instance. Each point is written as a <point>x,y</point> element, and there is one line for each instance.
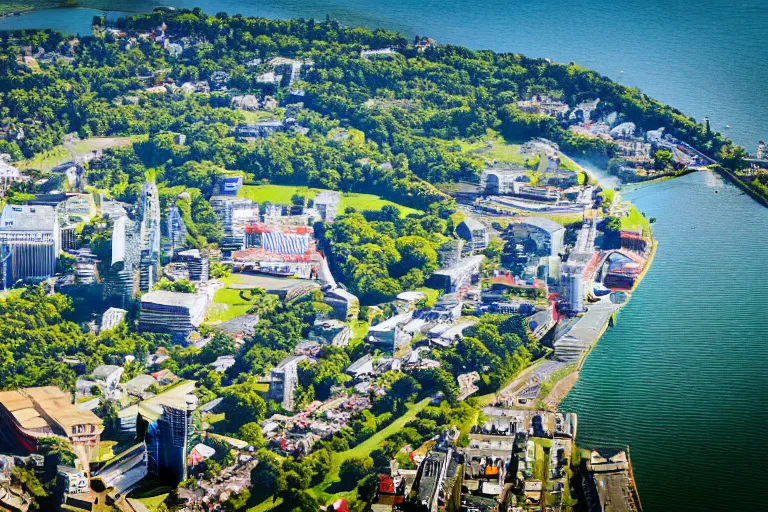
<point>610,484</point>
<point>501,181</point>
<point>388,334</point>
<point>172,312</point>
<point>297,240</point>
<point>30,242</point>
<point>28,414</point>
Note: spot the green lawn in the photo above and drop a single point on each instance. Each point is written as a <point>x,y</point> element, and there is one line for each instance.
<point>635,221</point>
<point>281,194</point>
<point>227,304</point>
<point>359,329</point>
<point>154,502</point>
<point>362,450</point>
<point>58,155</point>
<point>499,151</point>
<point>431,294</point>
<point>266,505</point>
<point>259,116</point>
<point>608,195</point>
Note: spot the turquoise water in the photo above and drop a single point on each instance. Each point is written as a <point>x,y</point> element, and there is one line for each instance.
<point>683,377</point>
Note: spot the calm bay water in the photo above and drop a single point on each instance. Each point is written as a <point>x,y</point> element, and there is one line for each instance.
<point>683,377</point>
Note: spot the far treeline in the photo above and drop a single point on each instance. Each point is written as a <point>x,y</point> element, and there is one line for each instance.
<point>411,106</point>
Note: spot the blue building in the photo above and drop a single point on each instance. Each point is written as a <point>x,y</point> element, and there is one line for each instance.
<point>230,185</point>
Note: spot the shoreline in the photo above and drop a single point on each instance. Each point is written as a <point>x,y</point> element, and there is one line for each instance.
<point>580,364</point>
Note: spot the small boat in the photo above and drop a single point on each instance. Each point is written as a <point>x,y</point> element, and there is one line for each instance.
<point>601,290</point>
<point>727,126</point>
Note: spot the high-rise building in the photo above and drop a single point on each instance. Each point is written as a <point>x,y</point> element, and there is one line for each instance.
<point>573,276</point>
<point>149,214</point>
<point>225,207</point>
<point>169,431</point>
<point>177,230</point>
<point>30,242</point>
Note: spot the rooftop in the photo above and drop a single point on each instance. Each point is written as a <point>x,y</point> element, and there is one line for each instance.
<point>543,223</point>
<point>473,224</point>
<point>166,298</point>
<point>27,218</point>
<point>24,404</point>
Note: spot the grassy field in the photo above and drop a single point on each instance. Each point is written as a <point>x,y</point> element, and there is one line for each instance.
<point>281,194</point>
<point>635,221</point>
<point>153,503</point>
<point>259,116</point>
<point>431,294</point>
<point>359,329</point>
<point>362,450</point>
<point>227,304</point>
<point>493,148</point>
<point>150,493</point>
<point>58,155</point>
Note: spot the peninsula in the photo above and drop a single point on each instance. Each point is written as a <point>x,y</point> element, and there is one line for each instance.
<point>294,265</point>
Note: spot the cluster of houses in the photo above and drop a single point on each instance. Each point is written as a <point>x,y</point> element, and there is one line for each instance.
<point>636,159</point>
<point>514,460</point>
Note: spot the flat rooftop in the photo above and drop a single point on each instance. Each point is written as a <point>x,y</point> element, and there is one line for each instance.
<point>166,298</point>
<point>27,218</point>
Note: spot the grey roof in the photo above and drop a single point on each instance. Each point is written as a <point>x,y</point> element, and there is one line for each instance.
<point>27,218</point>
<point>186,300</point>
<point>192,253</point>
<point>290,360</point>
<point>141,382</point>
<point>359,363</point>
<point>239,324</point>
<point>208,407</point>
<point>327,196</point>
<point>473,224</point>
<point>104,370</point>
<point>544,223</point>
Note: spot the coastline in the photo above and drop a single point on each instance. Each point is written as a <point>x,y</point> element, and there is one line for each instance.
<point>561,394</point>
<point>744,186</point>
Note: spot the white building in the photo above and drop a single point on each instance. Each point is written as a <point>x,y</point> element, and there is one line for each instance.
<point>30,242</point>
